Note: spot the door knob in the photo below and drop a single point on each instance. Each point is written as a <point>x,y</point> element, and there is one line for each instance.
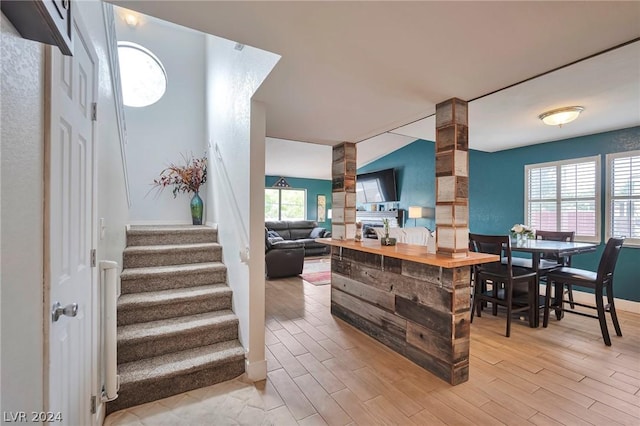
<point>58,310</point>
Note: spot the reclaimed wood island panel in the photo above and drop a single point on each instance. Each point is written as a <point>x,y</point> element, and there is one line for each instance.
<point>414,302</point>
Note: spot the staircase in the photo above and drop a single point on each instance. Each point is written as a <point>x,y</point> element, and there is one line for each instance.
<point>176,330</point>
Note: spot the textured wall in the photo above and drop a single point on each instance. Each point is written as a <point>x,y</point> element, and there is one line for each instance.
<point>22,139</point>
<point>496,188</point>
<point>159,134</point>
<point>415,176</point>
<point>236,175</point>
<point>497,193</point>
<point>314,188</point>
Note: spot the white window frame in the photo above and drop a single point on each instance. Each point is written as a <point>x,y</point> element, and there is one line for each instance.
<point>630,242</point>
<point>304,211</point>
<point>598,199</point>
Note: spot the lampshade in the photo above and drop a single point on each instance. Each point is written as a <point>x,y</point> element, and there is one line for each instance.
<point>415,212</point>
<point>560,116</point>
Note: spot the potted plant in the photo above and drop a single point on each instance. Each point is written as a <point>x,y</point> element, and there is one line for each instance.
<point>188,178</point>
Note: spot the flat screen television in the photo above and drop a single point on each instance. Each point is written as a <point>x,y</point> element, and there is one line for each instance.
<point>376,187</point>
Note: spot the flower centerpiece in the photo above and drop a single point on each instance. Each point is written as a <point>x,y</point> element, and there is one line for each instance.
<point>186,178</point>
<point>522,232</point>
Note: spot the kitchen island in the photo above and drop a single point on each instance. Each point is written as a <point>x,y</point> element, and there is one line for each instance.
<point>414,302</point>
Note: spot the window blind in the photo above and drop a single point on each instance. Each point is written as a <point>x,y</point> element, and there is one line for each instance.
<point>563,196</point>
<point>624,204</point>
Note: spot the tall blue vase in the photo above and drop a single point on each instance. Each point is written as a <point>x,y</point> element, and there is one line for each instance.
<point>196,209</point>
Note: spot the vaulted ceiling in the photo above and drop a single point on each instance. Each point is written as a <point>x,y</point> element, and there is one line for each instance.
<point>372,72</point>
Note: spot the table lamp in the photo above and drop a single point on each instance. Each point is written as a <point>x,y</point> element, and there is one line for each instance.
<point>415,212</point>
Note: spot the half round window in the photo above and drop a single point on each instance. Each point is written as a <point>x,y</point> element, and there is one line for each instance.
<point>143,77</point>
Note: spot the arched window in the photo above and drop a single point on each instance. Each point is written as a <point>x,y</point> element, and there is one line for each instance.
<point>143,77</point>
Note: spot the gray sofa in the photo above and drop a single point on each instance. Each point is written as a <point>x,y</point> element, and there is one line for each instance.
<point>301,231</point>
<point>288,242</point>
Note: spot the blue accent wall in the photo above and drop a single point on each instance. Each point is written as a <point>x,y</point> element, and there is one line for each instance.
<point>314,188</point>
<point>496,189</point>
<point>415,176</point>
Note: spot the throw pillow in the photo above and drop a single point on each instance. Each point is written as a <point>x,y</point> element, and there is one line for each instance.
<point>273,240</point>
<point>317,232</point>
<point>273,234</point>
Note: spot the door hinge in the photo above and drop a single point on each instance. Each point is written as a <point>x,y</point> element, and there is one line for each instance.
<point>93,257</point>
<point>94,111</point>
<point>93,404</point>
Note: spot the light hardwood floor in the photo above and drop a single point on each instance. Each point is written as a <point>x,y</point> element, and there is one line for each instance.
<point>323,371</point>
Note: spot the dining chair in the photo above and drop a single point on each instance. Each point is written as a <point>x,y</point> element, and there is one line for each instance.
<point>551,260</point>
<point>600,281</point>
<point>506,280</point>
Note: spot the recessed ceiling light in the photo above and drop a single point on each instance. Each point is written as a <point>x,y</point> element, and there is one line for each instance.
<point>560,116</point>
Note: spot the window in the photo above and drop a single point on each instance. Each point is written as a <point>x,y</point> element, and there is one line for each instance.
<point>565,196</point>
<point>142,75</point>
<point>285,204</point>
<point>623,196</point>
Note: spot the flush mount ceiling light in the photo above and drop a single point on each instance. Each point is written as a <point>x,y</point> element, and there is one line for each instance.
<point>560,116</point>
<point>131,20</point>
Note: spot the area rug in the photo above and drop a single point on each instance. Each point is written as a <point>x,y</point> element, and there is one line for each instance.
<point>317,278</point>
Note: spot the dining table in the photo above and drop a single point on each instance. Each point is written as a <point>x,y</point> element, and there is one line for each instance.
<point>537,248</point>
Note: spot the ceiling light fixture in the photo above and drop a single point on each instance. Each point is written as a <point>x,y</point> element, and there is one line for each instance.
<point>131,20</point>
<point>560,116</point>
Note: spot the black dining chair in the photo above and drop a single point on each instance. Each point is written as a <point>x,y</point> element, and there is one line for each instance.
<point>600,282</point>
<point>506,280</point>
<point>551,261</point>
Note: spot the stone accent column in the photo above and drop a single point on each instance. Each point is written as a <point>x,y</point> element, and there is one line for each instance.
<point>452,178</point>
<point>343,170</point>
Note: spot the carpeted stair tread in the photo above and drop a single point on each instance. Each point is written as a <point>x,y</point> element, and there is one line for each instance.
<point>162,304</point>
<point>173,326</point>
<point>178,363</point>
<point>149,271</point>
<point>171,247</point>
<point>151,298</point>
<point>144,229</point>
<point>171,254</point>
<point>141,235</point>
<point>176,330</point>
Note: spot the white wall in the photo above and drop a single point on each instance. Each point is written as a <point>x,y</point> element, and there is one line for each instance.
<point>22,139</point>
<point>232,78</point>
<point>22,156</point>
<point>158,134</point>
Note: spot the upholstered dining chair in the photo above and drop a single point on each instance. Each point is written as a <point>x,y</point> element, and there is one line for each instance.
<point>600,281</point>
<point>506,289</point>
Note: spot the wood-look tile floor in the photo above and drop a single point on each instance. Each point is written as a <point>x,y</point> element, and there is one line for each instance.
<point>323,371</point>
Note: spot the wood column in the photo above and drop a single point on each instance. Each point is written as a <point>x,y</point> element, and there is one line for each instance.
<point>343,170</point>
<point>452,178</point>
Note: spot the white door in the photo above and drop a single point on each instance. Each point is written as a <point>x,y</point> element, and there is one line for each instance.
<point>70,230</point>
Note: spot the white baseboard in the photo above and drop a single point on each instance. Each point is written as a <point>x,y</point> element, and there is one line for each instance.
<point>211,225</point>
<point>587,298</point>
<point>256,370</point>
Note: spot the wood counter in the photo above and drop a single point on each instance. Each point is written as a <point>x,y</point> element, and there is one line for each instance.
<point>411,252</point>
<point>414,302</point>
